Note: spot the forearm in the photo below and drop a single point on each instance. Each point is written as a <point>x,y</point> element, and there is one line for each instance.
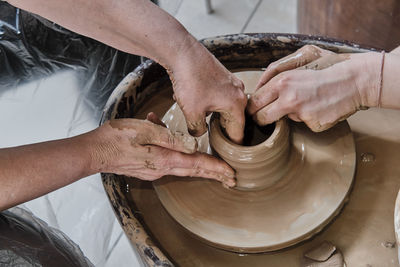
<point>29,171</point>
<point>133,26</point>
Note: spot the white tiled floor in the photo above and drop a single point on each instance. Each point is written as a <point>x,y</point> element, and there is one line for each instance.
<point>82,210</point>
<point>232,16</point>
<point>228,16</point>
<point>274,16</point>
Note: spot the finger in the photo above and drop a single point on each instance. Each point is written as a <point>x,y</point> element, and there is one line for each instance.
<point>301,57</point>
<point>270,113</point>
<point>233,125</point>
<point>202,161</point>
<point>145,175</point>
<point>315,126</point>
<point>155,119</point>
<point>154,134</point>
<point>327,122</point>
<point>149,175</point>
<point>227,181</point>
<point>263,97</point>
<point>293,116</point>
<point>232,118</point>
<point>200,165</point>
<point>196,124</point>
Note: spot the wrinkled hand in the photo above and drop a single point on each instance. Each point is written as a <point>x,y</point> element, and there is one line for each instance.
<point>147,150</point>
<point>203,85</point>
<point>324,88</point>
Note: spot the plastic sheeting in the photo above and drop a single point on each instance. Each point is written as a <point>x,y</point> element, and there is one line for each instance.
<point>25,240</point>
<point>34,48</point>
<point>54,84</point>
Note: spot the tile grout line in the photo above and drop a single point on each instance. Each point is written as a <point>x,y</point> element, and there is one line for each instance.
<point>114,245</point>
<point>177,9</point>
<point>250,16</point>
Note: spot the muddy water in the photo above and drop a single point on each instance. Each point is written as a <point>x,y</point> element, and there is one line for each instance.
<point>362,231</point>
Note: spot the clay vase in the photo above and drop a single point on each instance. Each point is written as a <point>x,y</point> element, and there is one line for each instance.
<point>259,166</point>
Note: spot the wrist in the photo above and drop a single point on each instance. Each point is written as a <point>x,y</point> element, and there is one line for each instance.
<point>368,78</point>
<point>187,51</point>
<point>97,150</point>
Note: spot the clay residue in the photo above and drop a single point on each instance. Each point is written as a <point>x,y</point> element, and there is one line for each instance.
<point>326,61</point>
<point>323,255</point>
<point>284,39</point>
<point>147,133</point>
<point>336,260</point>
<point>189,142</point>
<point>149,165</point>
<point>321,252</point>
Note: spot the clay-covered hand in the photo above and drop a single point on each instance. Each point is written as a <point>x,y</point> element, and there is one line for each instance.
<point>147,150</point>
<point>203,85</point>
<point>316,86</point>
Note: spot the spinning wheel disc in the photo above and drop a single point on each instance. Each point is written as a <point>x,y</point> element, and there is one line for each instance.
<point>321,170</point>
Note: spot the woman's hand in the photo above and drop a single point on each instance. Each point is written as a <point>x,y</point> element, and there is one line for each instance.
<point>323,89</point>
<point>203,85</point>
<point>147,150</point>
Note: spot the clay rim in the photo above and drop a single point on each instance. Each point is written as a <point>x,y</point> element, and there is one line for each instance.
<point>282,130</point>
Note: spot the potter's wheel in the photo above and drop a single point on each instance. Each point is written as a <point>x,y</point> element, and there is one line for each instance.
<point>321,169</point>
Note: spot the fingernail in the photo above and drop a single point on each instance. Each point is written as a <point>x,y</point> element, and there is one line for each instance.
<point>225,186</point>
<point>229,182</point>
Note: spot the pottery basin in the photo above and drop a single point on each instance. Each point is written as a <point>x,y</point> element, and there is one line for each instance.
<point>135,203</point>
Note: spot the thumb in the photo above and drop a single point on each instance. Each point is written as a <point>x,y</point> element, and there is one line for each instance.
<point>160,136</point>
<point>196,123</point>
<point>151,116</point>
<point>301,57</point>
<point>234,125</point>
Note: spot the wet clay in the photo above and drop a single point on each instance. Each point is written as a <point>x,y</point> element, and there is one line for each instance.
<point>258,166</point>
<point>317,177</point>
<point>359,231</point>
<point>336,260</point>
<point>364,225</point>
<point>323,255</point>
<point>322,252</point>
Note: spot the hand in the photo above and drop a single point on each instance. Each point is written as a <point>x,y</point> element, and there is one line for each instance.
<point>325,87</point>
<point>202,85</point>
<point>147,150</point>
<point>200,82</point>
